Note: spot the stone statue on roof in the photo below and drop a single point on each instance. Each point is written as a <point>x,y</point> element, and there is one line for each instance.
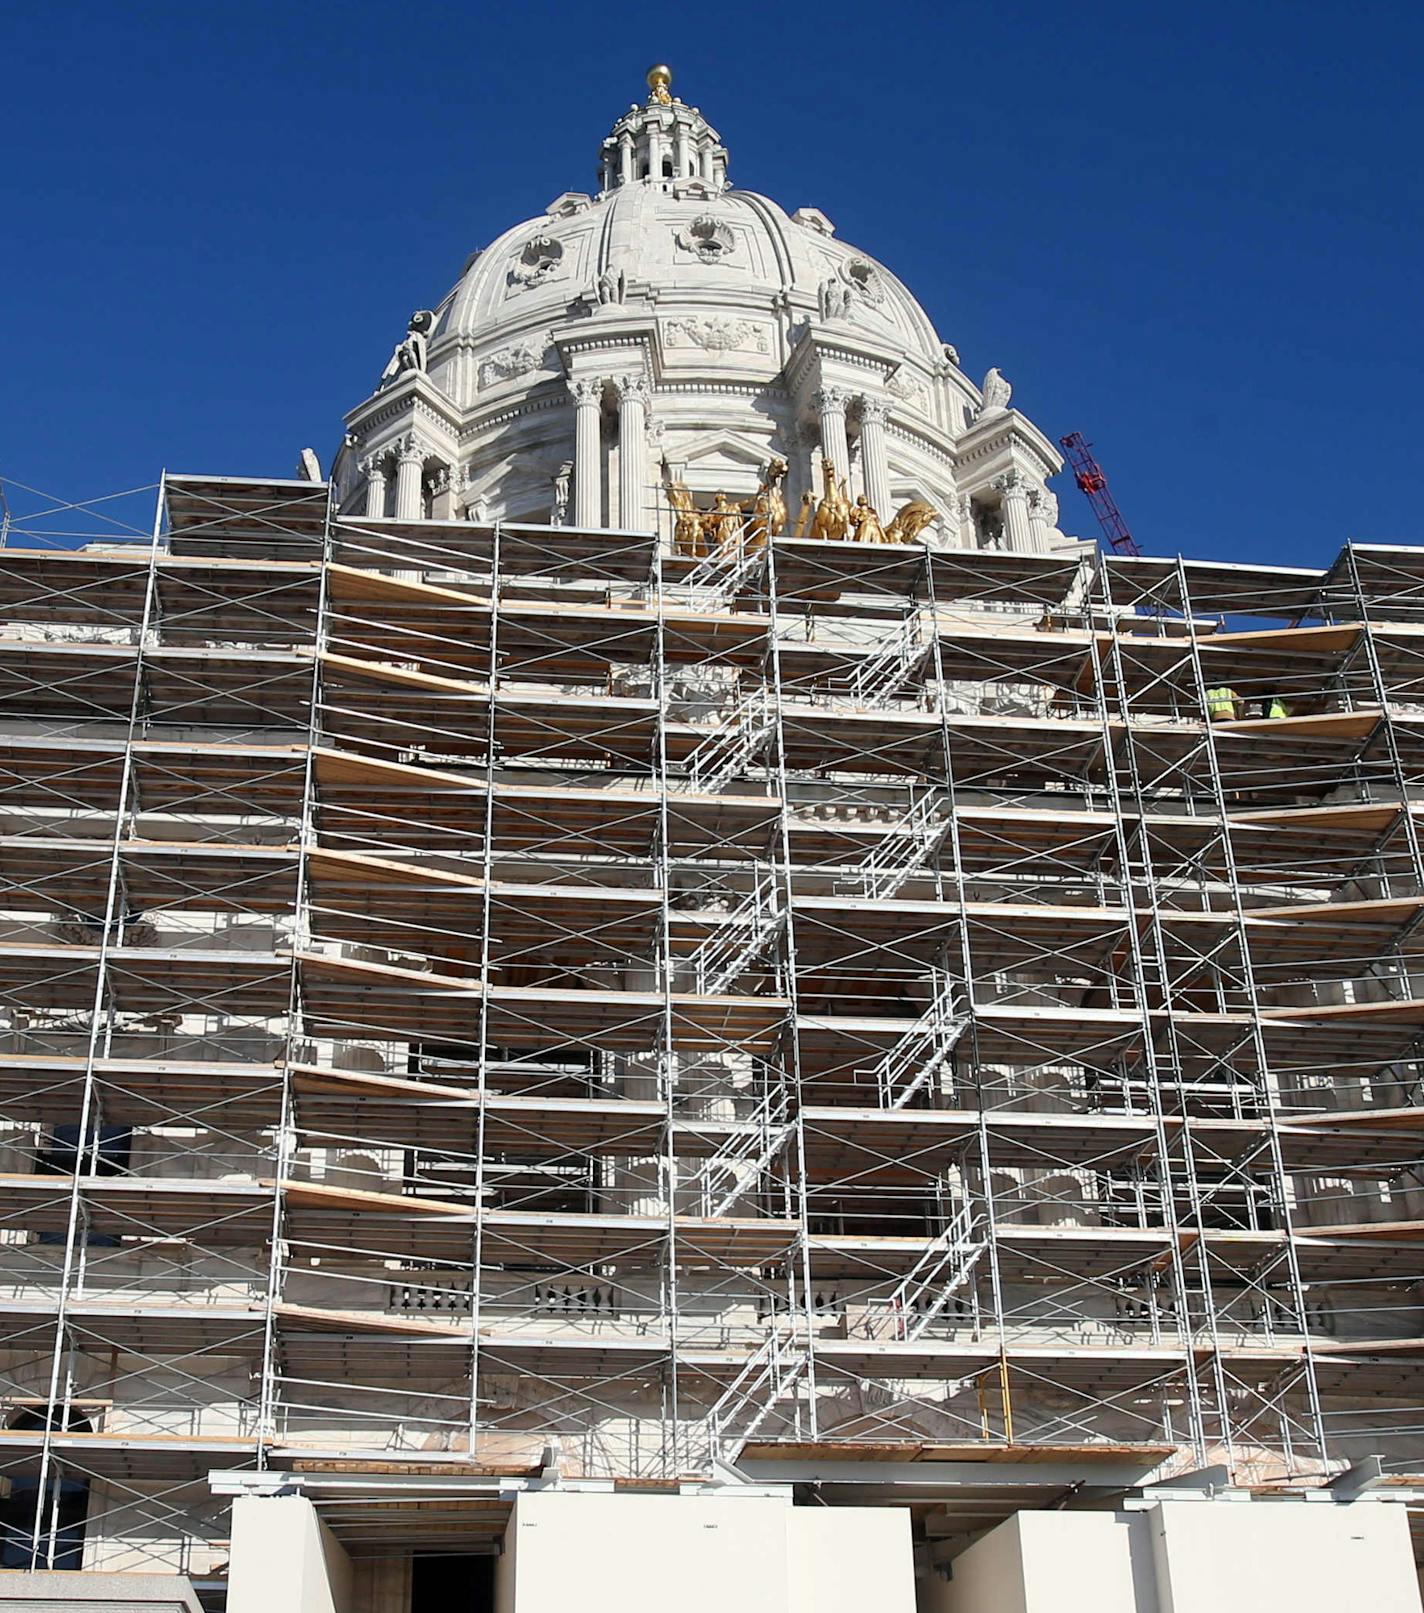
<point>410,351</point>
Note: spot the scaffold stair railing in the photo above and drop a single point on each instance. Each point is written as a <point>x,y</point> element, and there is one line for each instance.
<point>739,940</point>
<point>922,1051</point>
<point>769,1375</point>
<point>739,1165</point>
<point>881,676</point>
<point>735,744</point>
<point>719,577</point>
<point>907,849</point>
<point>929,1285</point>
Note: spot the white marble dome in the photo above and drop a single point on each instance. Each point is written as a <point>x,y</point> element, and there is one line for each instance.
<point>719,327</point>
<point>684,250</point>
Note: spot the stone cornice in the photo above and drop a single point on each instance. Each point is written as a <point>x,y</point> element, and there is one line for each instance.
<point>1001,433</point>
<point>555,398</point>
<point>843,346</point>
<point>922,439</point>
<point>413,392</point>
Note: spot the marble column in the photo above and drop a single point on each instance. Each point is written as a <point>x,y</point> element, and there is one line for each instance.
<point>375,469</point>
<point>874,465</point>
<point>633,396</point>
<point>831,408</point>
<point>625,159</point>
<point>1014,492</point>
<point>410,462</point>
<point>704,163</point>
<point>681,165</point>
<point>1042,518</point>
<point>588,400</point>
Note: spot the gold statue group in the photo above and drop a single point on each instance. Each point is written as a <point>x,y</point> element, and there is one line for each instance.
<point>730,527</point>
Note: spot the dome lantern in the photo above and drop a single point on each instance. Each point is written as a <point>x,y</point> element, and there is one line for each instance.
<point>662,141</point>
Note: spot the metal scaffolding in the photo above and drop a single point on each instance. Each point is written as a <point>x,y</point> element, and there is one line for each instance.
<point>482,1001</point>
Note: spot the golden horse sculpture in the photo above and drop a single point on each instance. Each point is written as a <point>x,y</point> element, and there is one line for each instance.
<point>862,520</point>
<point>910,520</point>
<point>768,508</point>
<point>729,526</point>
<point>687,532</point>
<point>832,518</point>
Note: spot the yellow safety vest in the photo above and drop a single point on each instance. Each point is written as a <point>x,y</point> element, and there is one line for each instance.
<point>1278,708</point>
<point>1221,704</point>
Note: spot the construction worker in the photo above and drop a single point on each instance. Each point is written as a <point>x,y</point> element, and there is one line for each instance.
<point>1222,703</point>
<point>1275,706</point>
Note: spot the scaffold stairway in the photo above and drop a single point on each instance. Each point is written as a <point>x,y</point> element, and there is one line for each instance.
<point>717,579</point>
<point>882,675</point>
<point>929,1285</point>
<point>908,847</point>
<point>738,941</point>
<point>921,1051</point>
<point>734,746</point>
<point>738,1166</point>
<point>768,1376</point>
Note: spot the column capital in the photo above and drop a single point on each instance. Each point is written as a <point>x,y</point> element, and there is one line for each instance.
<point>1012,484</point>
<point>873,411</point>
<point>586,389</point>
<point>373,465</point>
<point>411,450</point>
<point>830,399</point>
<point>632,389</point>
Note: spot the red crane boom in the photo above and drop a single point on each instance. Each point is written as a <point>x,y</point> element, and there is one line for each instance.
<point>1088,474</point>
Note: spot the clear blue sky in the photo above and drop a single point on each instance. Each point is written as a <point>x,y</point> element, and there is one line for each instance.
<point>1192,232</point>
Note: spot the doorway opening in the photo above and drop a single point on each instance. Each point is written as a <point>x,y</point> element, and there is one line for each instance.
<point>450,1581</point>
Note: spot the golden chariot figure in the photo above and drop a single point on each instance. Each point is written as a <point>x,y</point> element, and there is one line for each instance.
<point>722,528</point>
<point>865,523</point>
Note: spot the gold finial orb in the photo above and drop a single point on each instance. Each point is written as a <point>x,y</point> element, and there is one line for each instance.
<point>659,77</point>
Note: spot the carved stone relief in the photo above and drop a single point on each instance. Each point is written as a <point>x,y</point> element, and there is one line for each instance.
<point>864,279</point>
<point>715,335</point>
<point>906,385</point>
<point>708,239</point>
<point>511,362</point>
<point>540,260</point>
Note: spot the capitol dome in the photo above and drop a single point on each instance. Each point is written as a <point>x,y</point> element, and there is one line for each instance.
<point>672,329</point>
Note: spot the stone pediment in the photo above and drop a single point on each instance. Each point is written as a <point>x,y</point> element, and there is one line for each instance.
<point>718,461</point>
